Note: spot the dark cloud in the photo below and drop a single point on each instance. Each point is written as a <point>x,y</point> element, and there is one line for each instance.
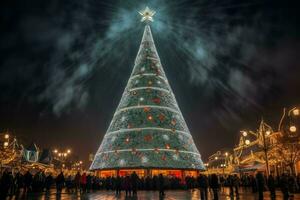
<point>64,61</point>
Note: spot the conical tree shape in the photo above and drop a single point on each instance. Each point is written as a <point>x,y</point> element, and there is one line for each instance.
<point>147,129</point>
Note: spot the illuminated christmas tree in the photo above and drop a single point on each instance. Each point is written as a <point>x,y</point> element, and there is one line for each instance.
<point>147,130</point>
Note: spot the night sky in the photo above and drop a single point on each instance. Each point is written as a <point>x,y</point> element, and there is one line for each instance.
<point>64,66</point>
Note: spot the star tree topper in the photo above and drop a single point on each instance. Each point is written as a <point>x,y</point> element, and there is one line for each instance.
<point>147,14</point>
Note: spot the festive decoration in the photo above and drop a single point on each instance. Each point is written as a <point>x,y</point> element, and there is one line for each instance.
<point>147,129</point>
<point>148,138</point>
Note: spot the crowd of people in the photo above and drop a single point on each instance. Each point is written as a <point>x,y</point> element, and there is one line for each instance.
<point>22,184</point>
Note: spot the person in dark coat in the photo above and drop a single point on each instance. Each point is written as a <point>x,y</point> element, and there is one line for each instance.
<point>127,186</point>
<point>203,186</point>
<point>118,185</point>
<point>284,186</point>
<point>236,183</point>
<point>260,185</point>
<point>19,181</point>
<point>77,182</point>
<point>253,184</point>
<point>134,183</point>
<point>161,185</point>
<point>5,184</point>
<point>88,183</point>
<point>27,182</point>
<point>60,180</point>
<point>214,184</point>
<point>48,182</point>
<point>272,187</point>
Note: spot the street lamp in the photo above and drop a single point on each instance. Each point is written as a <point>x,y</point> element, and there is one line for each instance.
<point>293,129</point>
<point>5,144</point>
<point>296,112</point>
<point>247,142</point>
<point>244,133</point>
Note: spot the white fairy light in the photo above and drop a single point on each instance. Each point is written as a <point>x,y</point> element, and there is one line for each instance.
<point>145,159</point>
<point>123,118</point>
<point>166,137</point>
<point>175,157</point>
<point>122,162</point>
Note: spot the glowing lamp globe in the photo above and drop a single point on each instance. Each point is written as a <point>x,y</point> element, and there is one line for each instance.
<point>247,142</point>
<point>296,112</point>
<point>244,133</point>
<point>293,129</point>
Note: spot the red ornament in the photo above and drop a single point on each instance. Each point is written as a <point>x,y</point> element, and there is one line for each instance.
<point>156,100</point>
<point>164,157</point>
<point>148,138</point>
<point>146,109</point>
<point>168,146</point>
<point>161,117</point>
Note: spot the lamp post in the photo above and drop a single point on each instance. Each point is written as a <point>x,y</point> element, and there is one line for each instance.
<point>263,133</point>
<point>62,155</point>
<point>265,147</point>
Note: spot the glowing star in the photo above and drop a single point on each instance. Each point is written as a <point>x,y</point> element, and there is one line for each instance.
<point>147,14</point>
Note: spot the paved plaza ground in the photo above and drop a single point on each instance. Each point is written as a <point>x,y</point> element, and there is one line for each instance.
<point>153,195</point>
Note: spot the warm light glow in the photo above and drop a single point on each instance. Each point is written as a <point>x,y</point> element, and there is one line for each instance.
<point>80,162</point>
<point>59,154</point>
<point>150,117</point>
<point>226,153</point>
<point>244,133</point>
<point>68,151</point>
<point>6,136</point>
<point>5,144</point>
<point>293,129</point>
<point>296,112</point>
<point>216,158</point>
<point>268,133</point>
<point>65,154</point>
<point>247,142</point>
<point>55,151</point>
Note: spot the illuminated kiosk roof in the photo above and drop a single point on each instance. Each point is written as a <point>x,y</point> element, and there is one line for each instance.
<point>147,129</point>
